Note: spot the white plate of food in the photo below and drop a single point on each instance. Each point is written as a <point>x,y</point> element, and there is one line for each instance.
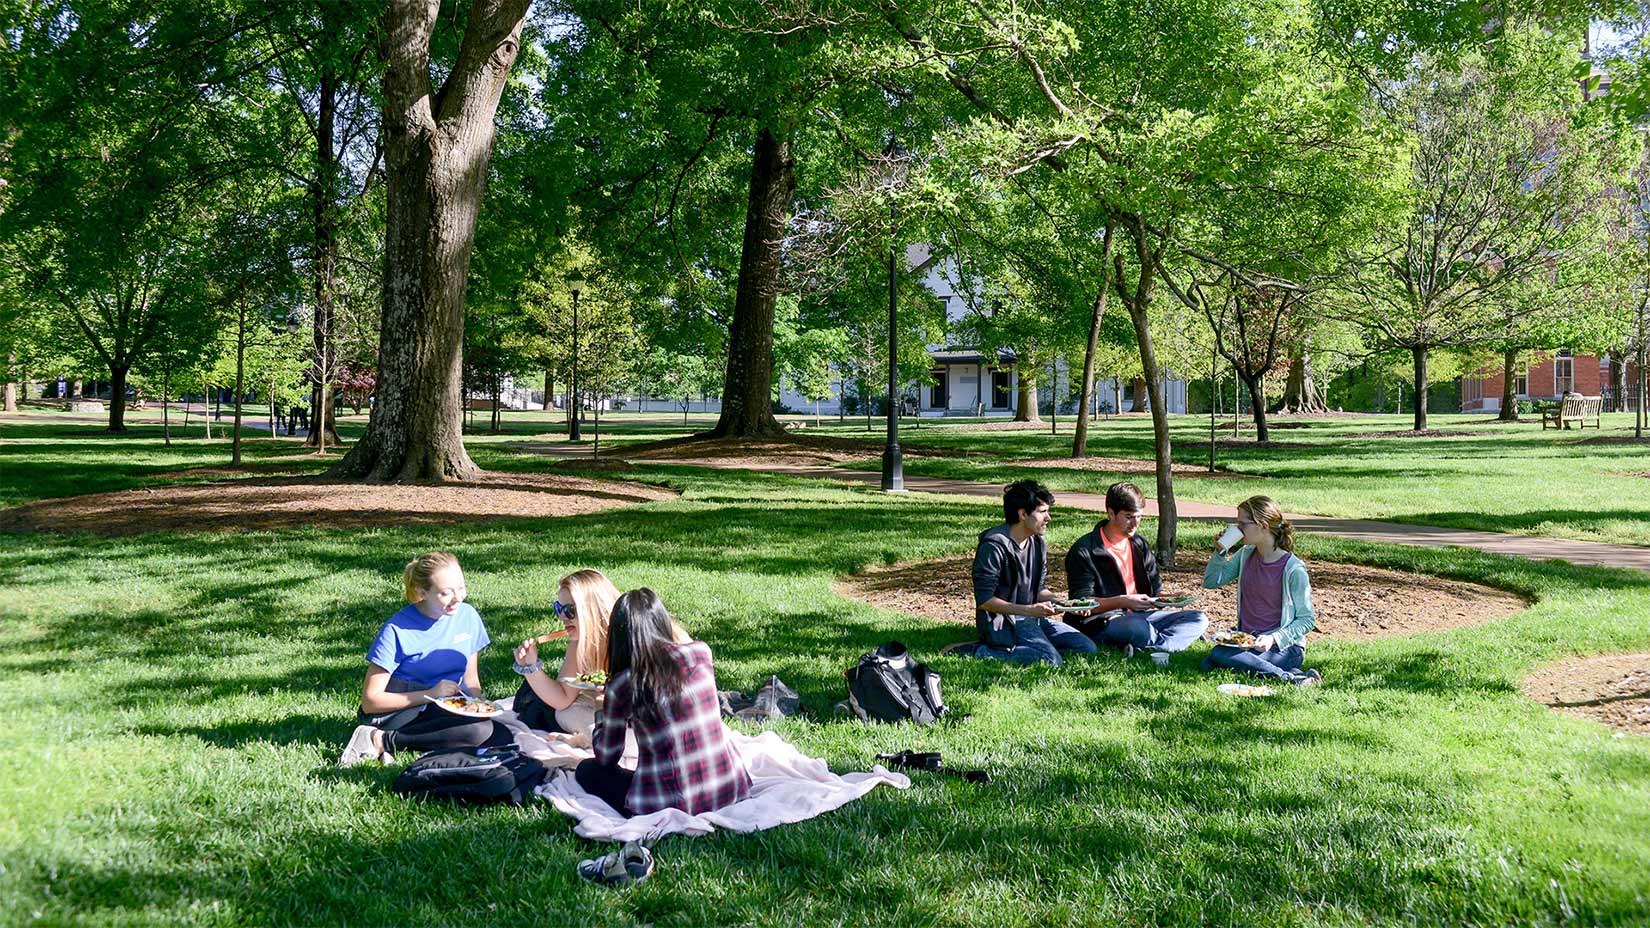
<point>1249,690</point>
<point>1174,602</point>
<point>1075,605</point>
<point>473,707</point>
<point>1233,639</point>
<point>591,681</point>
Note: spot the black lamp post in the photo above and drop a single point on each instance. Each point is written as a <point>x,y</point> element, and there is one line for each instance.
<point>575,285</point>
<point>893,461</point>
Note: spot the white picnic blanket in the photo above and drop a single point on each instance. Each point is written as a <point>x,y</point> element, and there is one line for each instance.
<point>786,786</point>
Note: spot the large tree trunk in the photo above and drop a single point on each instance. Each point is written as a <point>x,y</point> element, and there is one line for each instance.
<point>323,429</point>
<point>436,145</point>
<point>1025,402</point>
<point>1420,355</point>
<point>747,385</point>
<point>1301,395</point>
<point>117,397</point>
<point>1142,396</point>
<point>1138,302</point>
<point>1080,441</point>
<point>549,392</point>
<point>1256,385</point>
<point>1509,390</point>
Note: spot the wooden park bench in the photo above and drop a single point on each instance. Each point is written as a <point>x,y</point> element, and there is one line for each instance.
<point>1574,408</point>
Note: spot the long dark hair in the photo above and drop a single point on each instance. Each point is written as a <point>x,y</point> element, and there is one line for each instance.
<point>638,640</point>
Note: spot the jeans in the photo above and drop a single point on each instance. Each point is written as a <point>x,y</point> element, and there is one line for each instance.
<point>427,728</point>
<point>1284,665</point>
<point>1038,641</point>
<point>1157,630</point>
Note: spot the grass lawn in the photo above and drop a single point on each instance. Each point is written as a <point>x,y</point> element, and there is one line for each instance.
<point>174,705</point>
<point>1512,478</point>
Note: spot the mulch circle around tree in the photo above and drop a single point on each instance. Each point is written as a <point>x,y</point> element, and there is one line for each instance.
<point>299,502</point>
<point>790,450</point>
<point>1612,440</point>
<point>1354,602</point>
<point>1613,689</point>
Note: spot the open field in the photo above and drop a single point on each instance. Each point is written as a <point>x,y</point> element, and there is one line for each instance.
<point>174,703</point>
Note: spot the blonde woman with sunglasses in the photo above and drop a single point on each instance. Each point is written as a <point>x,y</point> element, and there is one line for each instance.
<point>584,602</point>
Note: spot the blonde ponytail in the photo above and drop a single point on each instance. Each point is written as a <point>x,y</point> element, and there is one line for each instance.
<point>420,569</point>
<point>1285,535</point>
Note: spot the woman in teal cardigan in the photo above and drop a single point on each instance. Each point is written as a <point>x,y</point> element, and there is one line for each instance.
<point>1274,596</point>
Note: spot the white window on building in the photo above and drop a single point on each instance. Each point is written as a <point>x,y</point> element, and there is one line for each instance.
<point>1564,373</point>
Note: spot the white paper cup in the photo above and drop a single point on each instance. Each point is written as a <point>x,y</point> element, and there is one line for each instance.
<point>1230,537</point>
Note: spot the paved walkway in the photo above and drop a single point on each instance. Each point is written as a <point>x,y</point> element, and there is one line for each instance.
<point>1630,557</point>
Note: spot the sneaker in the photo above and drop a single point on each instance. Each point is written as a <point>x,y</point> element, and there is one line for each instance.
<point>360,748</point>
<point>961,649</point>
<point>1306,678</point>
<point>1160,658</point>
<point>631,863</point>
<point>1128,652</point>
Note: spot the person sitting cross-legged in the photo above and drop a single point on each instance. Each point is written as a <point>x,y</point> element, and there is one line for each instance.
<point>662,689</point>
<point>1012,601</point>
<point>1116,567</point>
<point>1274,597</point>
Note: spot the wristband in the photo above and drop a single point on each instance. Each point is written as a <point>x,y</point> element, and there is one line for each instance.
<point>528,669</point>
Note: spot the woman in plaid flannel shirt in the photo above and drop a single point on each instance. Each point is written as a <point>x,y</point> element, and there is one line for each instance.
<point>665,691</point>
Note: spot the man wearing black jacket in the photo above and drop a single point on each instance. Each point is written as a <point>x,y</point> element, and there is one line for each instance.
<point>1013,611</point>
<point>1116,566</point>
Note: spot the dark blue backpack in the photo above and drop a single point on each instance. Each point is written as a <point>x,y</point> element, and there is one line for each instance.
<point>474,775</point>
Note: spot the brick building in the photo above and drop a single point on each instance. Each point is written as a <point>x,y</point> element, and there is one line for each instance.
<point>1546,379</point>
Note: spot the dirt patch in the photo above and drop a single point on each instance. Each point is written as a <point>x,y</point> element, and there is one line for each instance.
<point>1125,466</point>
<point>1239,444</point>
<point>1613,689</point>
<point>297,502</point>
<point>784,451</point>
<point>780,451</point>
<point>284,464</point>
<point>1611,440</point>
<point>1354,602</point>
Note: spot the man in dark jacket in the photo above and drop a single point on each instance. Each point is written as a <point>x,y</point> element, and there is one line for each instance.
<point>1116,566</point>
<point>1011,596</point>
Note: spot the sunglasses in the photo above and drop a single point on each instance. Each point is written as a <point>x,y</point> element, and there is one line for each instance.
<point>562,610</point>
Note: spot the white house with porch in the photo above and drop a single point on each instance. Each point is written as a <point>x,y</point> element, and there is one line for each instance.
<point>966,380</point>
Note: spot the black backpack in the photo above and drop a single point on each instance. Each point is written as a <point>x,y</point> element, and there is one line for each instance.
<point>474,775</point>
<point>888,686</point>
